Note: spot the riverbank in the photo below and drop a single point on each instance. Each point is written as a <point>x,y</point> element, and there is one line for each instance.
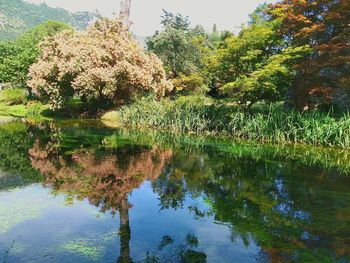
<point>30,110</point>
<point>202,115</point>
<point>263,123</point>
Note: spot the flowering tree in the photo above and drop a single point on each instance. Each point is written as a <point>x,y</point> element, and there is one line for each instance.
<point>103,64</point>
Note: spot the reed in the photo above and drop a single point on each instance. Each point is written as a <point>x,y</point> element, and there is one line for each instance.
<point>201,115</point>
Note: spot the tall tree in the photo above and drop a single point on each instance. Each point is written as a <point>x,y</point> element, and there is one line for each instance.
<point>103,65</point>
<point>125,7</point>
<point>325,26</point>
<point>174,45</point>
<point>257,64</point>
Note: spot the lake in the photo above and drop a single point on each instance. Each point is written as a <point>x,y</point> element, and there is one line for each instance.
<point>75,191</point>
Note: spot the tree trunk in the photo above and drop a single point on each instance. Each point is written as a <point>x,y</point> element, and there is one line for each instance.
<point>124,231</point>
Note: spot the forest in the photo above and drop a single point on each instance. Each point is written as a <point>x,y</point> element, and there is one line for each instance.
<point>284,78</point>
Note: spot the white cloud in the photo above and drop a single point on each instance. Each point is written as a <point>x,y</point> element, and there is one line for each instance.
<point>145,14</point>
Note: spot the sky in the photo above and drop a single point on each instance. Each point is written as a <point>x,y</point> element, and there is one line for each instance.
<point>145,14</point>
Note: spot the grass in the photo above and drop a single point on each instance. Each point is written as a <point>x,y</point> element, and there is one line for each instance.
<point>30,110</point>
<point>13,96</point>
<point>263,123</point>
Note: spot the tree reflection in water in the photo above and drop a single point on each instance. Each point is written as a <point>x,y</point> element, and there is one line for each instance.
<point>279,205</point>
<point>104,180</point>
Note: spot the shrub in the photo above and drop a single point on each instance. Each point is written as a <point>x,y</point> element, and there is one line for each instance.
<point>192,84</point>
<point>13,96</point>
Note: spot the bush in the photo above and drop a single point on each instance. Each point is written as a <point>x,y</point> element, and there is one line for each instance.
<point>13,96</point>
<point>192,84</point>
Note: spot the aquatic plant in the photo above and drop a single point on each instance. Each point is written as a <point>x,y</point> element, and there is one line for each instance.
<point>264,124</point>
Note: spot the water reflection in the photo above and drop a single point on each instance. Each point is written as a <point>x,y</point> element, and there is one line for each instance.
<point>291,210</point>
<point>105,180</point>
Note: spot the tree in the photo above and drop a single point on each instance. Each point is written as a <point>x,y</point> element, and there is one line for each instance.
<point>17,56</point>
<point>177,21</point>
<point>103,65</point>
<point>181,48</point>
<point>270,81</point>
<point>174,45</point>
<point>323,25</point>
<point>257,64</point>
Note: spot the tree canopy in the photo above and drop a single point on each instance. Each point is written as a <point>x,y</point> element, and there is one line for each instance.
<point>103,64</point>
<point>17,56</point>
<point>324,26</point>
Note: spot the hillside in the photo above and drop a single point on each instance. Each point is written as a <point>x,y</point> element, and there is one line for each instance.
<point>17,16</point>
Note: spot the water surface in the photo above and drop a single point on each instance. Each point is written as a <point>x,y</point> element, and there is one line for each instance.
<point>81,192</point>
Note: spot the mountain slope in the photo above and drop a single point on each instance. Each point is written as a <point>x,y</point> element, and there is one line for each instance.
<point>17,16</point>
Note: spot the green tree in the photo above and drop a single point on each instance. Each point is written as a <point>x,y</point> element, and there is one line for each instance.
<point>17,56</point>
<point>174,45</point>
<point>181,48</point>
<point>270,81</point>
<point>177,21</point>
<point>256,64</point>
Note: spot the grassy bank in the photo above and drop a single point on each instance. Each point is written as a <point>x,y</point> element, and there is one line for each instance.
<point>30,110</point>
<point>263,123</point>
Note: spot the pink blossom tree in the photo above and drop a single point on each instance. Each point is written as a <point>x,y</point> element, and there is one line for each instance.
<point>102,64</point>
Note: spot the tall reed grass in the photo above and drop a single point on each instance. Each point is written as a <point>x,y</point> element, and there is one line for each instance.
<point>201,115</point>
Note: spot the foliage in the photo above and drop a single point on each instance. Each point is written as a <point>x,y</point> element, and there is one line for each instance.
<point>192,84</point>
<point>177,21</point>
<point>268,124</point>
<point>270,81</point>
<point>257,64</point>
<point>18,16</point>
<point>174,45</point>
<point>102,65</point>
<point>13,96</point>
<point>17,56</point>
<point>323,25</point>
<point>16,140</point>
